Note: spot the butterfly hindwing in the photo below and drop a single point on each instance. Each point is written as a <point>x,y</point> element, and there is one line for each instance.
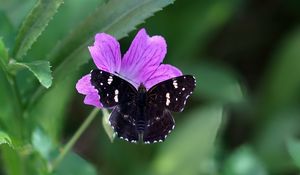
<point>173,93</point>
<point>112,89</point>
<point>123,125</point>
<point>159,128</point>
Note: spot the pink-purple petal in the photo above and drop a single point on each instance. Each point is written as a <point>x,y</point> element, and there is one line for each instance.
<point>85,87</point>
<point>93,99</point>
<point>106,53</point>
<point>163,72</point>
<point>143,57</point>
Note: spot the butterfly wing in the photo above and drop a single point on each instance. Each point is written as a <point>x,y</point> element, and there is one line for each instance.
<point>112,89</point>
<point>159,128</point>
<point>124,124</point>
<point>120,94</point>
<point>173,93</point>
<point>169,95</point>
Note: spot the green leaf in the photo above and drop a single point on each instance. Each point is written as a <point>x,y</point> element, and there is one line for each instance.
<point>271,137</point>
<point>3,56</point>
<point>105,122</point>
<point>5,139</point>
<point>75,165</point>
<point>11,160</point>
<point>217,83</point>
<point>190,144</point>
<point>42,143</point>
<point>52,118</point>
<point>3,53</point>
<point>282,82</point>
<point>244,162</point>
<point>34,24</point>
<point>293,146</point>
<point>40,69</point>
<point>7,30</point>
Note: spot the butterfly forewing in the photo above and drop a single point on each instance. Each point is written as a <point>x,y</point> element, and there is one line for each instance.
<point>173,93</point>
<point>112,89</point>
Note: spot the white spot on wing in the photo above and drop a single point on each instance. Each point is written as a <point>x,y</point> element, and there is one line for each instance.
<point>175,84</point>
<point>110,80</point>
<point>183,89</point>
<point>116,95</point>
<point>168,99</point>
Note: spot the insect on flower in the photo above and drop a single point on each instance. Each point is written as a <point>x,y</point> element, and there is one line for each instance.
<point>140,89</point>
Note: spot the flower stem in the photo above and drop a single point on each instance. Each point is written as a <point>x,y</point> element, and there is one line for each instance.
<point>74,138</point>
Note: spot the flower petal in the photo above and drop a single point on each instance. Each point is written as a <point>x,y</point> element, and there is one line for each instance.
<point>85,87</point>
<point>162,73</point>
<point>106,53</point>
<point>143,57</point>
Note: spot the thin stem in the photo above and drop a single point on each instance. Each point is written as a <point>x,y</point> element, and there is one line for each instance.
<point>74,138</point>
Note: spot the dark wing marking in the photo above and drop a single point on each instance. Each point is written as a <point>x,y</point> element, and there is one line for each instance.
<point>123,125</point>
<point>112,89</point>
<point>158,129</point>
<point>173,93</point>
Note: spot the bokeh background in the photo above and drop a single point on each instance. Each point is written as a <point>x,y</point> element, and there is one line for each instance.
<point>244,117</point>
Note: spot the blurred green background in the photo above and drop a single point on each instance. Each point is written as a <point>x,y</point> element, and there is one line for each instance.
<point>243,119</point>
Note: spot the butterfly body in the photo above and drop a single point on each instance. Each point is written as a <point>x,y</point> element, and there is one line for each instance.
<point>141,114</point>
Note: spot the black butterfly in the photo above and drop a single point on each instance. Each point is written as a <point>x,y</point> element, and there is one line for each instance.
<point>141,115</point>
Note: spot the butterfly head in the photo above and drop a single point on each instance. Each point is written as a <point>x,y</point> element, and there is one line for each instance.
<point>142,88</point>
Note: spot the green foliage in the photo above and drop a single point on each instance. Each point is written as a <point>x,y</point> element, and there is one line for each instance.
<point>75,165</point>
<point>191,143</point>
<point>283,75</point>
<point>40,69</point>
<point>34,24</point>
<point>212,78</point>
<point>42,143</point>
<point>5,139</point>
<point>3,53</point>
<point>293,146</point>
<point>244,162</point>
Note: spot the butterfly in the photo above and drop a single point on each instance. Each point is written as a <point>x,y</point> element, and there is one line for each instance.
<point>141,114</point>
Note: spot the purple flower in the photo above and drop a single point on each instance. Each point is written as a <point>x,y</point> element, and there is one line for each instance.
<point>142,63</point>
